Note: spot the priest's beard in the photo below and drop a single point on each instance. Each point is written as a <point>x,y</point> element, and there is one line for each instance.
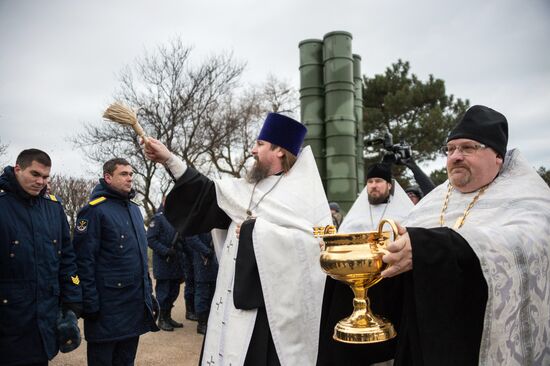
<point>378,199</point>
<point>258,172</point>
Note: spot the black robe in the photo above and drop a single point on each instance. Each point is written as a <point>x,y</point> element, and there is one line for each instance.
<point>192,208</point>
<point>437,308</point>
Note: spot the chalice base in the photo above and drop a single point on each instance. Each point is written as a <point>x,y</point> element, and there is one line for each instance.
<point>377,330</point>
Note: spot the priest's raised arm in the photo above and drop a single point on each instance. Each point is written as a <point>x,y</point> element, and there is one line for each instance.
<point>266,307</point>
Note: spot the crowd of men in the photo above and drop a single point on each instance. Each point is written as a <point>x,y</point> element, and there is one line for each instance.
<point>467,281</point>
<point>47,281</point>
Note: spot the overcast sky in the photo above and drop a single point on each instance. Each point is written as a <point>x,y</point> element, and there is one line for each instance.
<point>59,60</point>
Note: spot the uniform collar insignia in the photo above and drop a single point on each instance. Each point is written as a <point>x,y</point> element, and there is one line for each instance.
<point>82,225</point>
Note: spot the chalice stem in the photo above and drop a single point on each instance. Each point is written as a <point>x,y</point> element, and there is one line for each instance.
<point>361,306</point>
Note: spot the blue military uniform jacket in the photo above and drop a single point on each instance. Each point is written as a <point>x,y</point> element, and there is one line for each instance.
<point>204,259</point>
<point>160,237</point>
<point>37,272</point>
<point>111,247</point>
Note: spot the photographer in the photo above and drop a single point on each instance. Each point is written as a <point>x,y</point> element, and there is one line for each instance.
<point>401,154</point>
<point>423,181</point>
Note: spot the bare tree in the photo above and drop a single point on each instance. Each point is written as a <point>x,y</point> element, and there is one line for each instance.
<point>279,96</point>
<point>199,111</point>
<point>73,192</point>
<point>175,102</point>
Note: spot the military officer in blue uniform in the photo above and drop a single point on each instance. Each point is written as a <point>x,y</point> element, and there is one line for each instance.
<point>111,248</point>
<point>38,272</point>
<point>205,270</point>
<point>167,267</point>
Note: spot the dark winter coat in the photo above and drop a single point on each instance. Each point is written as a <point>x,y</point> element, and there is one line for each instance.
<point>111,247</point>
<point>37,272</point>
<point>161,237</point>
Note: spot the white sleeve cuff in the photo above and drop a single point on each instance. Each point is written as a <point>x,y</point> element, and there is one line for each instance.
<point>176,166</point>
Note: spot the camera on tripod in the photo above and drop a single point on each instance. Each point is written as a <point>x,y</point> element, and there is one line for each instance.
<point>393,153</point>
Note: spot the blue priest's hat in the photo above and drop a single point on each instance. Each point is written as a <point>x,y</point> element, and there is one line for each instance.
<point>68,332</point>
<point>283,131</point>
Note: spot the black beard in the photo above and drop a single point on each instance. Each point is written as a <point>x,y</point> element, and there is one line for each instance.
<point>257,173</point>
<point>378,200</point>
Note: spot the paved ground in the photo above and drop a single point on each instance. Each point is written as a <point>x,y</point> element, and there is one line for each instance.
<point>180,347</point>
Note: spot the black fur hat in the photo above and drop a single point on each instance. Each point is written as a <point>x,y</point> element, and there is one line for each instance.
<point>68,333</point>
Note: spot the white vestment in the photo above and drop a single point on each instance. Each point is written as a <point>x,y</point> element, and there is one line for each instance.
<point>509,230</point>
<point>287,256</point>
<point>362,218</point>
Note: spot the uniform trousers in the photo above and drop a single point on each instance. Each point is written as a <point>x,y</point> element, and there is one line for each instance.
<point>115,353</point>
<point>204,292</point>
<point>167,292</point>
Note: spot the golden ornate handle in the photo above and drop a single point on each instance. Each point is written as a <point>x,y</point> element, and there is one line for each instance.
<point>320,231</point>
<point>393,228</point>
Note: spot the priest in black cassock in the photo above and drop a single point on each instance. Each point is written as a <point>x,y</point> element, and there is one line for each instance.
<point>382,198</point>
<point>267,304</point>
<point>469,277</point>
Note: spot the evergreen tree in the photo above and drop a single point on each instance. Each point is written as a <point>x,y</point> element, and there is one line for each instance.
<point>439,176</point>
<point>419,113</point>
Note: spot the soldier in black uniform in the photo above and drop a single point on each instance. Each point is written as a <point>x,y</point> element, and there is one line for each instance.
<point>168,268</point>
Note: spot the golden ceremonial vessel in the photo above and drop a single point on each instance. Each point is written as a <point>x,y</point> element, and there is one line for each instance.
<point>356,259</point>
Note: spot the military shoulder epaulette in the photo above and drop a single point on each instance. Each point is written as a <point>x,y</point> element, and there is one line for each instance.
<point>52,197</point>
<point>97,201</point>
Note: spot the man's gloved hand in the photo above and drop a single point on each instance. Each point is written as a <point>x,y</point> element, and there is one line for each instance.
<point>76,307</point>
<point>91,316</point>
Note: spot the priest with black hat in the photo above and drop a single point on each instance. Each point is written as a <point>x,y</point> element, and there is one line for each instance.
<point>382,198</point>
<point>472,262</point>
<point>266,306</point>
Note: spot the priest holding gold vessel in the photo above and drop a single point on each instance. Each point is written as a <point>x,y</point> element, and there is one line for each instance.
<point>470,271</point>
<point>381,198</point>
